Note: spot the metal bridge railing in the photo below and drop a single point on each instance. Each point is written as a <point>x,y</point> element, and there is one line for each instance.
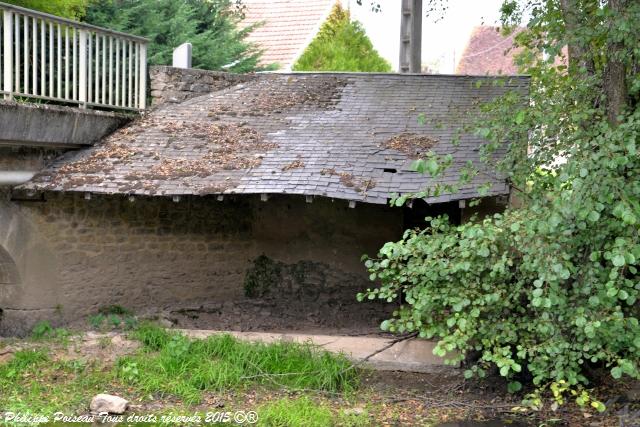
<point>51,58</point>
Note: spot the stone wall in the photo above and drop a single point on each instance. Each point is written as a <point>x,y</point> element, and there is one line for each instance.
<point>74,256</point>
<point>169,84</point>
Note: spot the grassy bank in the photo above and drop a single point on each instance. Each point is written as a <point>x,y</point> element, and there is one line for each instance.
<point>170,363</point>
<point>183,374</point>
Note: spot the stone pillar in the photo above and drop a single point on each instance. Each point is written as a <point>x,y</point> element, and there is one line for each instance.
<point>182,56</point>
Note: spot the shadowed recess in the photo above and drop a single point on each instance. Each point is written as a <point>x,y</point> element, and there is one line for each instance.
<point>8,270</point>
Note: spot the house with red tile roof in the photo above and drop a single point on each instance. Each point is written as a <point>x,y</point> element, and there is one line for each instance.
<point>284,28</point>
<point>488,52</point>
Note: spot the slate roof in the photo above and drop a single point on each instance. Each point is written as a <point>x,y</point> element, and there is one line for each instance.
<point>488,52</point>
<point>340,135</point>
<point>286,27</point>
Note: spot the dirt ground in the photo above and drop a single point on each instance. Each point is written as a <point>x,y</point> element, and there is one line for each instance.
<point>334,317</point>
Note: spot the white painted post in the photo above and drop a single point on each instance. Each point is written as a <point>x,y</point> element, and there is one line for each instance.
<point>8,54</point>
<point>142,99</point>
<point>82,69</point>
<point>182,56</point>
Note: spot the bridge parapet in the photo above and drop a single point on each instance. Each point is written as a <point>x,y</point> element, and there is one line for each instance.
<point>46,57</point>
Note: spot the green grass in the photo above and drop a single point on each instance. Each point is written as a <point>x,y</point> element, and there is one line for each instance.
<point>113,317</point>
<point>32,383</point>
<point>301,412</point>
<point>173,364</point>
<point>306,412</point>
<point>44,331</point>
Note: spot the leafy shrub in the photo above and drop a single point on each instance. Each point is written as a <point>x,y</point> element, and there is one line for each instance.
<point>73,9</point>
<point>341,45</point>
<point>547,293</point>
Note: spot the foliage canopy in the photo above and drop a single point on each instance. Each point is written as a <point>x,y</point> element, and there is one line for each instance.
<point>341,45</point>
<point>73,9</point>
<point>211,26</point>
<point>546,293</point>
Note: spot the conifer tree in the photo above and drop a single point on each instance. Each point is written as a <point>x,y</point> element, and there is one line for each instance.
<point>341,45</point>
<point>210,26</point>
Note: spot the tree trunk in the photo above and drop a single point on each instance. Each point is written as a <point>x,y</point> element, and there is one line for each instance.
<point>578,53</point>
<point>615,85</point>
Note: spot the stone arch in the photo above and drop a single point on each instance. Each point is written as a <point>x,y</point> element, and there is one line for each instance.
<point>29,284</point>
<point>8,270</point>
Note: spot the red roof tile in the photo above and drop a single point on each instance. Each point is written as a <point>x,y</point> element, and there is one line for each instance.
<point>488,52</point>
<point>288,26</point>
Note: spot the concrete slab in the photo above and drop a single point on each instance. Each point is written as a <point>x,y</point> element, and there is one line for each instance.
<point>47,125</point>
<point>413,355</point>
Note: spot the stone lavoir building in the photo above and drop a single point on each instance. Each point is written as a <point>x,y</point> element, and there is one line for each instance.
<point>246,201</point>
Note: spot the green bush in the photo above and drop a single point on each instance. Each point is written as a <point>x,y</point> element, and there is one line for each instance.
<point>74,9</point>
<point>341,45</point>
<point>545,294</point>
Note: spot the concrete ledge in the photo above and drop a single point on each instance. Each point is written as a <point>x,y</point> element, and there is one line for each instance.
<point>414,355</point>
<point>48,125</point>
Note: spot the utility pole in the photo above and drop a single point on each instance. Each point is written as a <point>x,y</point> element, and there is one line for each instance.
<point>411,37</point>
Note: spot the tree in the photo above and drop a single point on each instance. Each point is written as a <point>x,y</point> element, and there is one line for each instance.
<point>341,45</point>
<point>211,26</point>
<point>546,294</point>
<point>73,9</point>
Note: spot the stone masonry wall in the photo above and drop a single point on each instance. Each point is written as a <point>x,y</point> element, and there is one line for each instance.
<point>75,256</point>
<point>169,84</point>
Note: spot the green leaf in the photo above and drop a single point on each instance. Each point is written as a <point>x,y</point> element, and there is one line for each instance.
<point>514,386</point>
<point>616,372</point>
<point>593,216</point>
<point>432,167</point>
<point>618,260</point>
